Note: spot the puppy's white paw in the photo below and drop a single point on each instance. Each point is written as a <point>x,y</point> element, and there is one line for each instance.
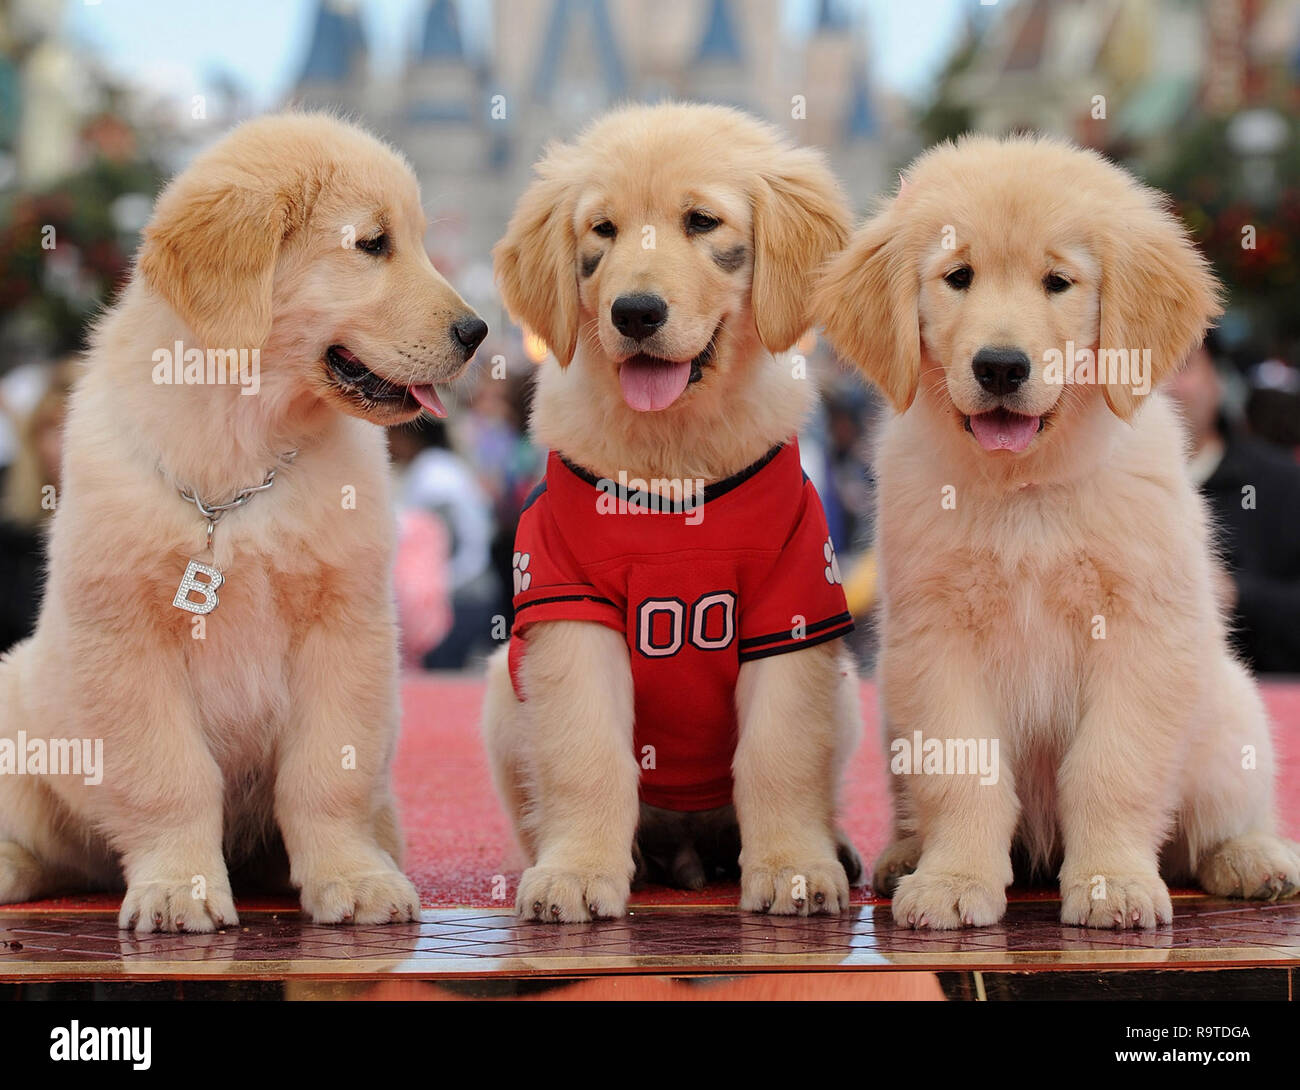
<point>366,897</point>
<point>899,858</point>
<point>557,895</point>
<point>794,888</point>
<point>944,901</point>
<point>1256,866</point>
<point>1115,900</point>
<point>177,904</point>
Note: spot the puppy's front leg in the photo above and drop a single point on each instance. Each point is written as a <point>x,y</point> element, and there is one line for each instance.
<point>331,786</point>
<point>1117,786</point>
<point>785,789</point>
<point>161,806</point>
<point>577,681</point>
<point>964,817</point>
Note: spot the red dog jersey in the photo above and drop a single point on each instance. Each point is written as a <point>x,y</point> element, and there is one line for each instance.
<point>697,589</point>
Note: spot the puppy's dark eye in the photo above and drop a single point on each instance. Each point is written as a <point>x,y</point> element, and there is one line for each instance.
<point>960,278</point>
<point>604,229</point>
<point>378,246</point>
<point>1055,283</point>
<point>701,223</point>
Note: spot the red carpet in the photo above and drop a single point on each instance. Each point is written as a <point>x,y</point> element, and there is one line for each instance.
<point>459,850</point>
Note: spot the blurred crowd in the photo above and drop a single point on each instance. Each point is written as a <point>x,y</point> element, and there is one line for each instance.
<point>460,484</point>
<point>1244,440</point>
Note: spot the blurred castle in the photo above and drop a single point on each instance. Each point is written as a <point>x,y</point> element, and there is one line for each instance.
<point>1125,75</point>
<point>473,120</point>
<point>484,84</point>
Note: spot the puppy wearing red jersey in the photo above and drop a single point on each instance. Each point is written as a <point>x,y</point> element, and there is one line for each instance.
<point>675,703</point>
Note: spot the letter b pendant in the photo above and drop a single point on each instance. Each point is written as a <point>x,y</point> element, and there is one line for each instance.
<point>206,588</point>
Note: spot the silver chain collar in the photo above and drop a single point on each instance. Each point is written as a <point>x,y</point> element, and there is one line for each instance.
<point>213,512</point>
<point>212,577</point>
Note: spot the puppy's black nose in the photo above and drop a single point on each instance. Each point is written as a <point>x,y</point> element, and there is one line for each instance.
<point>469,332</point>
<point>639,315</point>
<point>1000,370</point>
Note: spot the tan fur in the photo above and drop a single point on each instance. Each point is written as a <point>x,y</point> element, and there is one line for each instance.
<point>1119,755</point>
<point>563,760</point>
<point>216,747</point>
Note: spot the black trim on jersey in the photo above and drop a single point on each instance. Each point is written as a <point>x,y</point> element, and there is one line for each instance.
<point>534,495</point>
<point>781,637</point>
<point>711,491</point>
<point>796,645</point>
<point>565,598</point>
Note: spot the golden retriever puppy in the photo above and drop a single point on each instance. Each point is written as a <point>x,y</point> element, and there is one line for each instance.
<point>675,550</point>
<point>1046,565</point>
<point>252,710</point>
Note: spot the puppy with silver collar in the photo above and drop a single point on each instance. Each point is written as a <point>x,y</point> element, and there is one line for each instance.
<point>218,612</point>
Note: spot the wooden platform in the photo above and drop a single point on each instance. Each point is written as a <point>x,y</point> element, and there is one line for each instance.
<point>468,942</point>
<point>474,945</point>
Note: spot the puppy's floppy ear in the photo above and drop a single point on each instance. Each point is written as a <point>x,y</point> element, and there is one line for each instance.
<point>536,261</point>
<point>800,219</point>
<point>1157,291</point>
<point>866,301</point>
<point>209,250</point>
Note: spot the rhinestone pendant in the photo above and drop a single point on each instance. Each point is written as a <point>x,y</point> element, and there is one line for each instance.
<point>206,587</point>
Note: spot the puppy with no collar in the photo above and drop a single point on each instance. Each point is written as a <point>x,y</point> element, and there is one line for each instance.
<point>678,603</point>
<point>252,711</point>
<point>1046,563</point>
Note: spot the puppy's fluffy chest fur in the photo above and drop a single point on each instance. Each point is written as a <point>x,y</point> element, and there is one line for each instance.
<point>1032,583</point>
<point>1052,579</point>
<point>320,538</point>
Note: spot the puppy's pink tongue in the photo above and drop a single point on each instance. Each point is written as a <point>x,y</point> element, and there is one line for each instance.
<point>428,397</point>
<point>650,384</point>
<point>1002,430</point>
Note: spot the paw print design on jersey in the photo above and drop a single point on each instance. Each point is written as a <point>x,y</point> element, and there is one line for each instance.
<point>832,570</point>
<point>523,579</point>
